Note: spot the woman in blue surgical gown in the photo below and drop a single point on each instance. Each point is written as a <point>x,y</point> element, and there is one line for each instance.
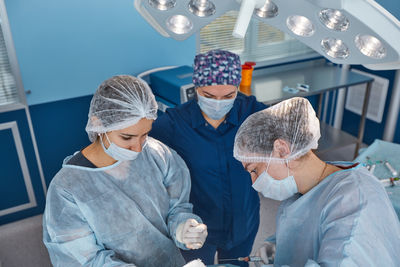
<point>332,214</point>
<point>123,200</point>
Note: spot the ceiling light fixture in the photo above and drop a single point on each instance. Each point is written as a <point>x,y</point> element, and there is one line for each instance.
<point>335,48</point>
<point>179,24</point>
<point>370,46</point>
<point>344,31</point>
<point>300,26</point>
<point>162,4</point>
<point>268,10</point>
<point>334,19</point>
<point>202,8</point>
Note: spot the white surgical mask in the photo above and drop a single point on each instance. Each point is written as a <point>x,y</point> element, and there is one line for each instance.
<point>215,109</point>
<point>275,189</point>
<point>119,153</point>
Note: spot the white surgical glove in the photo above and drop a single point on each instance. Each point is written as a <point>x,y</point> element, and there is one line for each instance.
<point>192,234</point>
<point>266,252</point>
<point>195,263</point>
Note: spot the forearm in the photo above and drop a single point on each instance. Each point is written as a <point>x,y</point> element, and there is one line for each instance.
<point>83,252</point>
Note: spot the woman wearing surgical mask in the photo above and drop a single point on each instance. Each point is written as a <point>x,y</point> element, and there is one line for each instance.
<point>122,200</point>
<point>202,131</point>
<point>332,214</point>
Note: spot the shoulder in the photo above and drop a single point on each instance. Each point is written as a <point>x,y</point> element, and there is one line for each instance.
<point>184,110</point>
<point>354,190</point>
<point>154,145</point>
<point>71,178</point>
<point>67,175</point>
<point>249,103</point>
<point>62,185</point>
<point>356,179</point>
<point>161,154</point>
<point>178,114</point>
<point>244,106</point>
<point>157,149</point>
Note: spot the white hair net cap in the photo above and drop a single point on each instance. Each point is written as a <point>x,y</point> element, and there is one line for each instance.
<point>118,103</point>
<point>292,120</point>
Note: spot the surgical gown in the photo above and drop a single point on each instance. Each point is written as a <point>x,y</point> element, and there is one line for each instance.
<point>346,220</point>
<point>125,214</point>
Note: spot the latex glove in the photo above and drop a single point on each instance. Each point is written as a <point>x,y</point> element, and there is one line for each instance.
<point>195,263</point>
<point>267,250</point>
<point>192,234</point>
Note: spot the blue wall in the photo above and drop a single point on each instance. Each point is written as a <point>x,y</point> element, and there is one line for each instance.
<point>67,48</point>
<point>60,131</point>
<point>393,6</point>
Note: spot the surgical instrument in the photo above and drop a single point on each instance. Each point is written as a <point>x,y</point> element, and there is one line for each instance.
<point>246,259</point>
<point>372,168</point>
<point>391,169</point>
<point>390,182</point>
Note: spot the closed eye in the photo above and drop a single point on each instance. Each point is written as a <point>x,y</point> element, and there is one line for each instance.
<point>209,95</point>
<point>229,96</point>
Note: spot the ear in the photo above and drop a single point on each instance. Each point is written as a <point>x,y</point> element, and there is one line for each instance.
<point>281,149</point>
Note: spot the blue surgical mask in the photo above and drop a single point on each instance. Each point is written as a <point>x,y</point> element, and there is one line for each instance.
<point>275,189</point>
<point>119,153</point>
<point>215,109</point>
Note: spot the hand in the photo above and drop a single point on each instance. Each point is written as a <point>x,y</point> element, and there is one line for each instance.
<point>192,234</point>
<point>195,263</point>
<point>266,252</point>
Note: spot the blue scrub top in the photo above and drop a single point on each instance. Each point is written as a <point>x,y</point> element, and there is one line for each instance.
<point>221,188</point>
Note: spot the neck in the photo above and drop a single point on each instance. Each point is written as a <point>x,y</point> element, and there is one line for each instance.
<point>214,123</point>
<point>95,153</point>
<point>311,171</point>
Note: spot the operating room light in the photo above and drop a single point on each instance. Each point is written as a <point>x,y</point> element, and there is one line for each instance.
<point>202,8</point>
<point>162,4</point>
<point>344,31</point>
<point>300,25</point>
<point>370,46</point>
<point>179,24</point>
<point>268,10</point>
<point>335,48</point>
<point>334,19</point>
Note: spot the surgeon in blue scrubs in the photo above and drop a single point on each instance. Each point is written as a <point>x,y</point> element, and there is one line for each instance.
<point>202,131</point>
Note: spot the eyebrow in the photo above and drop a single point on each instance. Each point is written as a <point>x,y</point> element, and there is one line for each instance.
<point>133,135</point>
<point>208,94</point>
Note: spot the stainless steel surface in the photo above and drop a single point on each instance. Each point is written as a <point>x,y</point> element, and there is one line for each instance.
<point>319,78</point>
<point>333,138</point>
<point>363,117</point>
<point>340,101</point>
<point>394,108</point>
<point>320,97</point>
